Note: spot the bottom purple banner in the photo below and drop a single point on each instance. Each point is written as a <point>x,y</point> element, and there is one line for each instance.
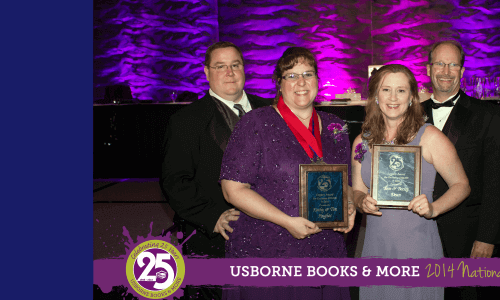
<point>155,269</point>
<point>343,272</point>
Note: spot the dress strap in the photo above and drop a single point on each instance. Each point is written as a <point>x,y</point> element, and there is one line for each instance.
<point>417,138</point>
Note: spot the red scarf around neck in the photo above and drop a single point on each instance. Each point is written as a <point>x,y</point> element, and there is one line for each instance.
<point>304,135</point>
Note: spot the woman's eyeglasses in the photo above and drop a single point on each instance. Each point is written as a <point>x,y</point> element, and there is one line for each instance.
<point>294,77</point>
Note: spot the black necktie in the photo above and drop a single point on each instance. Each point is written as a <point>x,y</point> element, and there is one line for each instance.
<point>240,110</point>
<point>448,103</point>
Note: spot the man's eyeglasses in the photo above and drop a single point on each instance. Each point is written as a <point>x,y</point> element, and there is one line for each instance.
<point>441,65</point>
<point>294,77</point>
<point>223,68</point>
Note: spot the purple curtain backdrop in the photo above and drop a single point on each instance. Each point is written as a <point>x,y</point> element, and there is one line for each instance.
<point>156,47</point>
<point>153,46</point>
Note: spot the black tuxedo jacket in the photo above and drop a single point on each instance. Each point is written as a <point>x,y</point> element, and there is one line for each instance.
<point>474,128</point>
<point>195,140</point>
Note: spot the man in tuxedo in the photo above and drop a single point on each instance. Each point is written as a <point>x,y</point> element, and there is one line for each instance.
<point>472,229</point>
<point>196,138</point>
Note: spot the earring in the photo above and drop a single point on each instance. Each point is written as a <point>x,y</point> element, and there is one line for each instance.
<point>376,100</point>
<point>410,103</point>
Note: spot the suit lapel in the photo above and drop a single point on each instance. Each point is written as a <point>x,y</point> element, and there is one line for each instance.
<point>223,119</point>
<point>459,116</point>
<point>217,127</point>
<point>427,105</point>
<point>454,127</point>
<point>256,102</point>
<point>251,101</point>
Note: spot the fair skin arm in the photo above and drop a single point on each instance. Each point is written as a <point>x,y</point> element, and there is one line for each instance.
<point>439,151</point>
<point>251,203</point>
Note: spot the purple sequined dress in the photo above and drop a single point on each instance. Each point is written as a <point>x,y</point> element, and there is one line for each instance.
<point>263,152</point>
<point>402,234</point>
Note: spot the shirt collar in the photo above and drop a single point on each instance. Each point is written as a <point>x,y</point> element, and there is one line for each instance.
<point>454,101</point>
<point>243,101</point>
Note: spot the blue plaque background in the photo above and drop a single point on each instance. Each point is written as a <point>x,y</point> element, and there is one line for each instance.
<point>324,196</point>
<point>396,176</point>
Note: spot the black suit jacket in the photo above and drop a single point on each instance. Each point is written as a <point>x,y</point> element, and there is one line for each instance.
<point>474,128</point>
<point>195,139</point>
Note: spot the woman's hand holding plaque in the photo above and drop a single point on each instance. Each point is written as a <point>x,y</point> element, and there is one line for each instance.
<point>366,204</point>
<point>421,206</point>
<point>301,228</point>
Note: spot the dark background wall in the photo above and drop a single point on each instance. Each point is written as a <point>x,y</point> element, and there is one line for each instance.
<point>158,46</point>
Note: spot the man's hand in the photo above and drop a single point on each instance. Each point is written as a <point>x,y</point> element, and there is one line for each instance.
<point>223,222</point>
<point>480,249</point>
<point>352,216</point>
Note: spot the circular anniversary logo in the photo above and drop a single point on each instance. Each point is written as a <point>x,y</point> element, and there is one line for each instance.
<point>324,183</point>
<point>396,162</point>
<point>155,269</point>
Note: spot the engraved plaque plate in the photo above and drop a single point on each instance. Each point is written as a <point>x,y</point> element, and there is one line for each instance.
<point>396,175</point>
<point>323,194</point>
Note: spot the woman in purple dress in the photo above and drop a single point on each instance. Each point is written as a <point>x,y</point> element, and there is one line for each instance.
<point>395,116</point>
<point>260,177</point>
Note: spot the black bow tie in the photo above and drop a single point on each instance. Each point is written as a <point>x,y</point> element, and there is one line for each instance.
<point>448,103</point>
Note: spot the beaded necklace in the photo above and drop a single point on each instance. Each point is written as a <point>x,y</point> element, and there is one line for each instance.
<point>391,142</point>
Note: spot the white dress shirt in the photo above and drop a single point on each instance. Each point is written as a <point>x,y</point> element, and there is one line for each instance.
<point>441,114</point>
<point>243,101</point>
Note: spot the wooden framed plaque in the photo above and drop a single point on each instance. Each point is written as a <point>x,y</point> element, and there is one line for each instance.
<point>396,175</point>
<point>323,194</point>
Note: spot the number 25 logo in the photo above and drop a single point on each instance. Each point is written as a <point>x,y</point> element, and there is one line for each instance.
<point>324,183</point>
<point>156,262</point>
